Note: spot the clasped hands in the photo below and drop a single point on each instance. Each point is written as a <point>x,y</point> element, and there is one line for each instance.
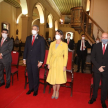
<point>64,68</point>
<point>101,69</point>
<point>39,63</point>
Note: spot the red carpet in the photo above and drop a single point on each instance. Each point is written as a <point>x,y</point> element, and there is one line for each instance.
<point>15,96</point>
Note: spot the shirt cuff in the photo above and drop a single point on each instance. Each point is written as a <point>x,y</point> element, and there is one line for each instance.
<point>1,54</point>
<point>41,62</point>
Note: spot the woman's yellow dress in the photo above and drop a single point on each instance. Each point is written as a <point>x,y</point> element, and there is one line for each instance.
<point>57,59</point>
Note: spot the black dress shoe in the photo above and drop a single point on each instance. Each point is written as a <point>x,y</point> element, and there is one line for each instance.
<point>29,92</point>
<point>35,93</point>
<point>1,84</point>
<point>7,86</point>
<point>92,101</point>
<point>103,105</point>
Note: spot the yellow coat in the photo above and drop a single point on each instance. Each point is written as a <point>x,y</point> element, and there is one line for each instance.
<point>57,62</point>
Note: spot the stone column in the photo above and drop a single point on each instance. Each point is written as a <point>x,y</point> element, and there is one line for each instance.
<point>51,33</point>
<point>42,29</point>
<point>24,28</point>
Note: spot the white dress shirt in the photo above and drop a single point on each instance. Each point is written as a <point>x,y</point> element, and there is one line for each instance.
<point>35,36</point>
<point>3,40</point>
<point>68,39</point>
<point>83,45</point>
<point>103,46</point>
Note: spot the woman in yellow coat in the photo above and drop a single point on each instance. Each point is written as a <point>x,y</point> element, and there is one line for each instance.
<point>57,61</point>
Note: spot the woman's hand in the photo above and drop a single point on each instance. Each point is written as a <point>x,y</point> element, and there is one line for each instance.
<point>64,69</point>
<point>48,66</point>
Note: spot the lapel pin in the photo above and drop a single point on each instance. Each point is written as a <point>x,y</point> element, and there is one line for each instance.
<point>36,37</point>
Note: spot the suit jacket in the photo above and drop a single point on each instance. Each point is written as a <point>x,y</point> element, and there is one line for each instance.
<point>34,53</point>
<point>98,59</point>
<point>6,49</point>
<point>92,46</point>
<point>71,44</point>
<point>79,45</point>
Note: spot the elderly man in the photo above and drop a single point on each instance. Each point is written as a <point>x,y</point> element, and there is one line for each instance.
<point>34,56</point>
<point>99,59</point>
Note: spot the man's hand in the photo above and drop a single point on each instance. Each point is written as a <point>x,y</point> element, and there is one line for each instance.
<point>101,69</point>
<point>48,66</point>
<point>64,68</point>
<point>24,61</point>
<point>76,55</point>
<point>0,56</point>
<point>39,64</point>
<point>85,47</point>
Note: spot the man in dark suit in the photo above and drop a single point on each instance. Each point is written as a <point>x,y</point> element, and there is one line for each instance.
<point>81,51</point>
<point>70,42</point>
<point>6,45</point>
<point>34,56</point>
<point>97,41</point>
<point>99,59</point>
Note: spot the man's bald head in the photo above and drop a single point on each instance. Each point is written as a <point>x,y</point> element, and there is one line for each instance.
<point>104,36</point>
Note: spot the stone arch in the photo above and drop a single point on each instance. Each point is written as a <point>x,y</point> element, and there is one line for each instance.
<point>50,18</point>
<point>34,20</point>
<point>24,7</point>
<point>19,18</point>
<point>41,12</point>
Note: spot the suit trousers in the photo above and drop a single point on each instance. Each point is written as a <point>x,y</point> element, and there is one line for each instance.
<point>33,76</point>
<point>7,67</point>
<point>82,58</point>
<point>104,85</point>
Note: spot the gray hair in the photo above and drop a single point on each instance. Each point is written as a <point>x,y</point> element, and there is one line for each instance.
<point>36,26</point>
